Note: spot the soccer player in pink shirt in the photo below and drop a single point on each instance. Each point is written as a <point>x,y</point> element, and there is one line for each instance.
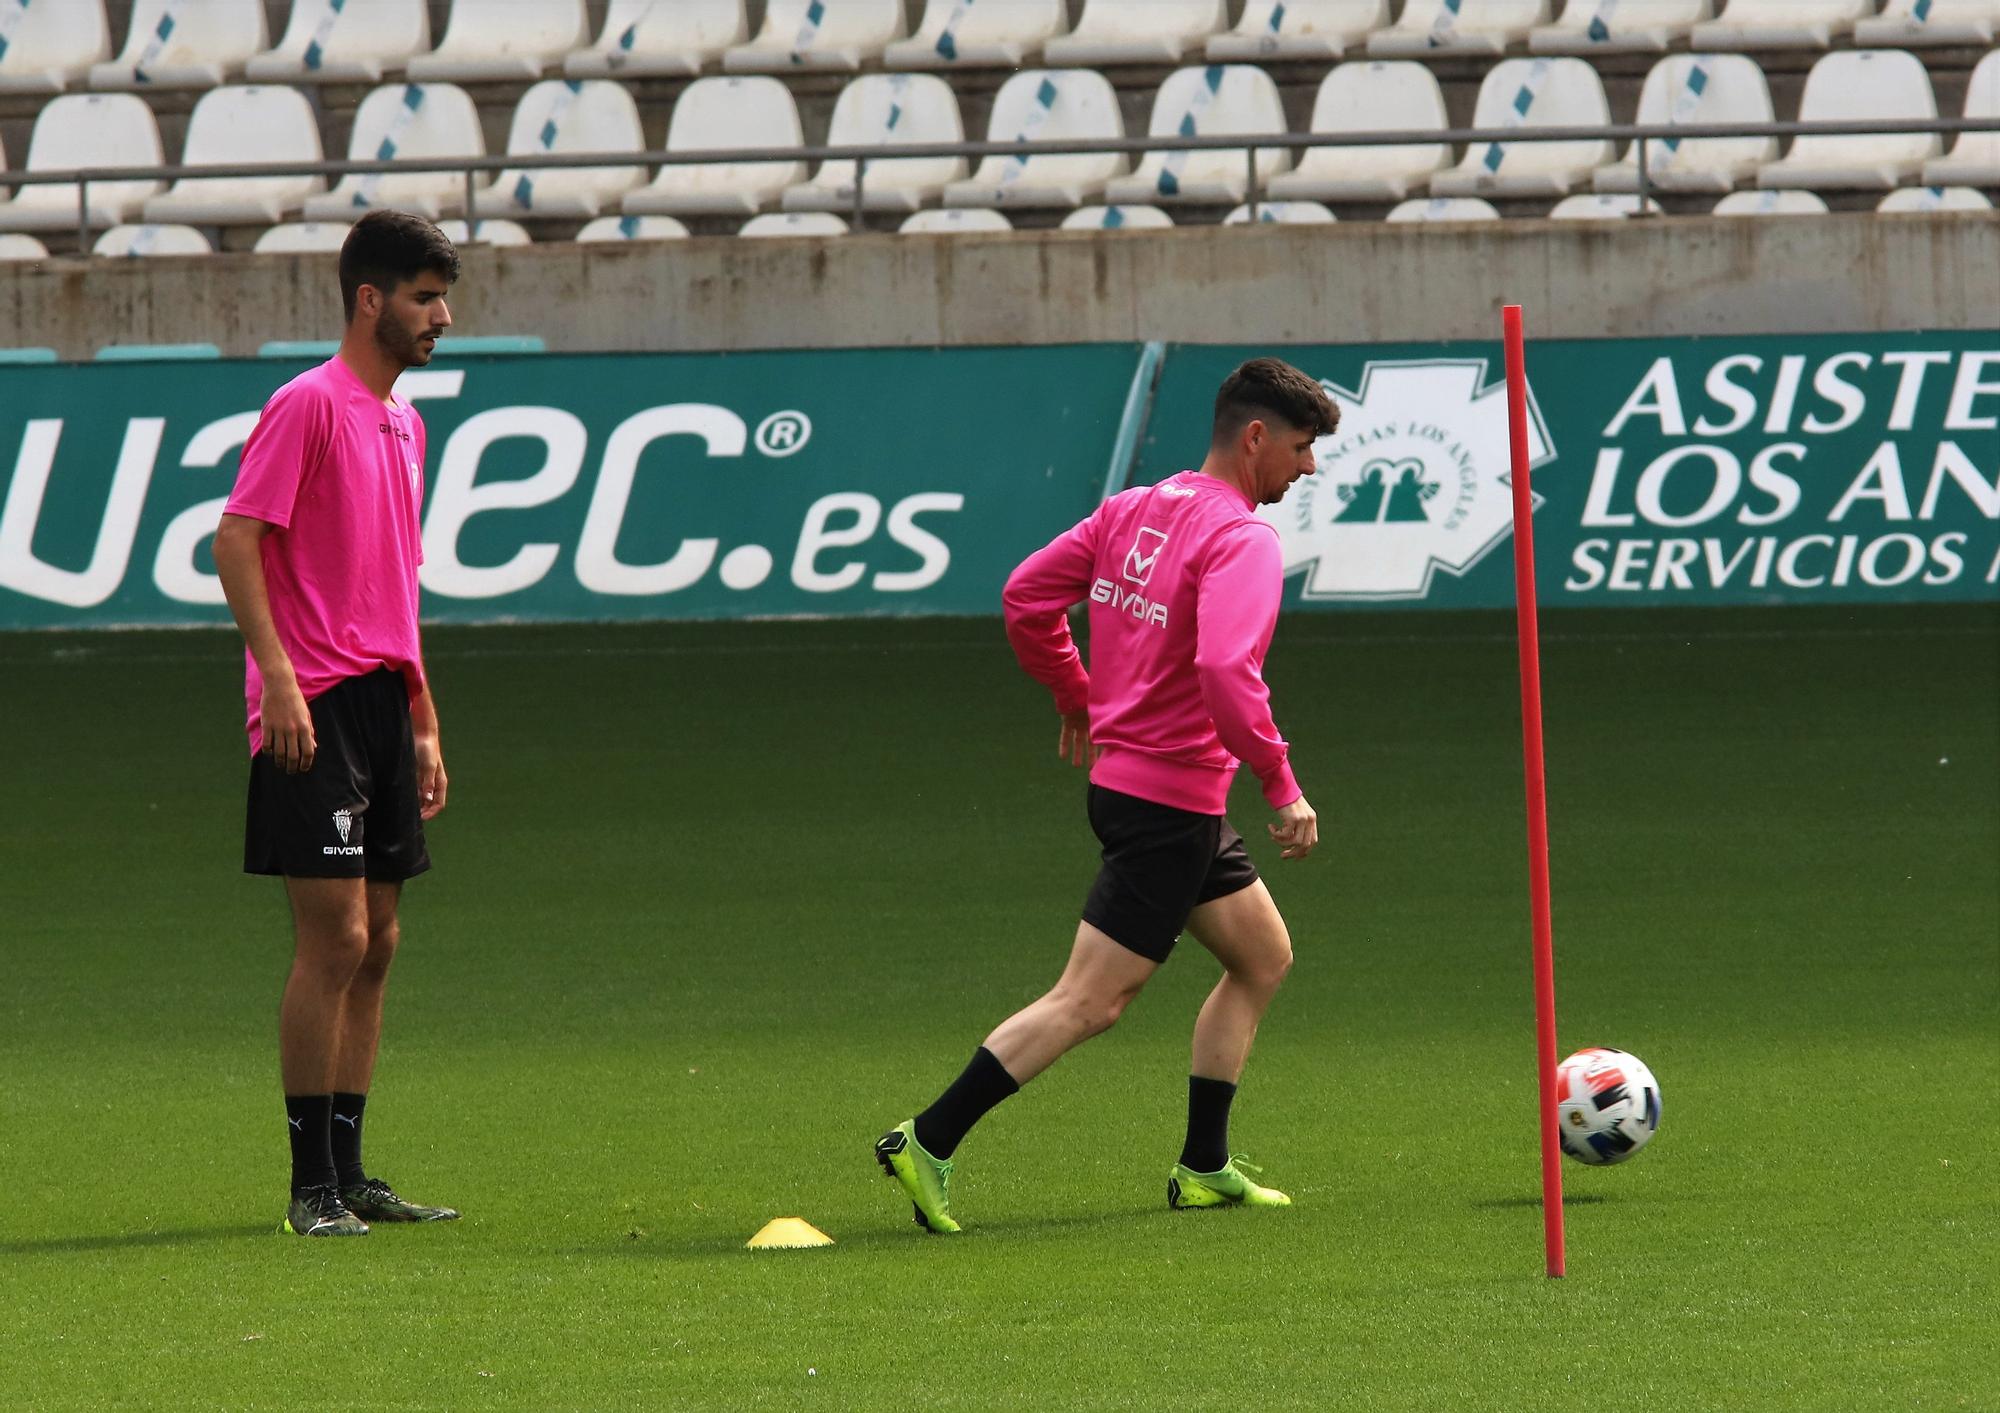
<point>1183,580</point>
<point>318,552</point>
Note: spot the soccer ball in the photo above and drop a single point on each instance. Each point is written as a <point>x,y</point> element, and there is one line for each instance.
<point>1607,1105</point>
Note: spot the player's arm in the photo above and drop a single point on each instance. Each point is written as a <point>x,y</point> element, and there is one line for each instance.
<point>1036,603</point>
<point>1242,582</point>
<point>431,781</point>
<point>239,562</point>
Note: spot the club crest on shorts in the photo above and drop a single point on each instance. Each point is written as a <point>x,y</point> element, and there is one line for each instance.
<point>1416,480</point>
<point>343,823</point>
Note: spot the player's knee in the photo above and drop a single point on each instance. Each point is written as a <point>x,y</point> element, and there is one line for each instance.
<point>381,950</point>
<point>336,953</point>
<point>1266,971</point>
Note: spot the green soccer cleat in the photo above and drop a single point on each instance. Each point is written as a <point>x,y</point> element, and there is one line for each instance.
<point>924,1178</point>
<point>1227,1188</point>
<point>318,1211</point>
<point>377,1201</point>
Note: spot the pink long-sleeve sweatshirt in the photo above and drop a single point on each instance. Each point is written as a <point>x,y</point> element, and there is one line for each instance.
<point>1184,581</point>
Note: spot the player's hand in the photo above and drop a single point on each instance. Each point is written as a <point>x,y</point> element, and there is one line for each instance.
<point>288,727</point>
<point>1075,745</point>
<point>1297,829</point>
<point>431,782</point>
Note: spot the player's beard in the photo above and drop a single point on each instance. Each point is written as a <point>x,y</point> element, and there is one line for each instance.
<point>402,347</point>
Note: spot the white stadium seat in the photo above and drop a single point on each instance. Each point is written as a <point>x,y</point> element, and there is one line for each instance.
<point>1435,209</point>
<point>714,115</point>
<point>185,44</point>
<point>1138,32</point>
<point>406,121</point>
<point>1683,89</point>
<point>1849,86</point>
<point>1532,93</point>
<point>819,34</point>
<point>997,34</point>
<point>1909,23</point>
<point>1213,101</point>
<point>1458,27</point>
<point>485,233</point>
<point>47,47</point>
<point>1298,29</point>
<point>1281,213</point>
<point>1116,218</point>
<point>568,115</point>
<point>1047,105</point>
<point>949,222</point>
<point>607,229</point>
<point>1619,26</point>
<point>152,240</point>
<point>885,110</point>
<point>22,247</point>
<point>1589,206</point>
<point>1380,95</point>
<point>794,223</point>
<point>644,38</point>
<point>1780,24</point>
<point>303,238</point>
<point>493,40</point>
<point>1975,157</point>
<point>345,41</point>
<point>87,130</point>
<point>1770,203</point>
<point>1935,198</point>
<point>236,125</point>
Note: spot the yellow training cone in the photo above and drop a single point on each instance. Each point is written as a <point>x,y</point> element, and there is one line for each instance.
<point>788,1233</point>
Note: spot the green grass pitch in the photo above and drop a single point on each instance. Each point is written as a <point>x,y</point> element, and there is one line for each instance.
<point>715,904</point>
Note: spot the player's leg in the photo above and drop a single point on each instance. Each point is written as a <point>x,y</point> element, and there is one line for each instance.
<point>330,937</point>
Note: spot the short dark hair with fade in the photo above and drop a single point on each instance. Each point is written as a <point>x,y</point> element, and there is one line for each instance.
<point>1272,389</point>
<point>386,248</point>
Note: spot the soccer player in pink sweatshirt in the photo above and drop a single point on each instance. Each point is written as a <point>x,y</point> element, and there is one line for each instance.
<point>1183,580</point>
<point>317,552</point>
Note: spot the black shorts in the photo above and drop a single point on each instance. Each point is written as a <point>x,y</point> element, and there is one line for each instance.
<point>355,814</point>
<point>1160,864</point>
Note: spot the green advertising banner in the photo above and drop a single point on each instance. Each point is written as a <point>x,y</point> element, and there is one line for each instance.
<point>1808,469</point>
<point>835,483</point>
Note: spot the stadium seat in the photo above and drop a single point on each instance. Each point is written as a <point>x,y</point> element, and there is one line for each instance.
<point>1619,26</point>
<point>1847,86</point>
<point>1116,218</point>
<point>48,47</point>
<point>606,229</point>
<point>27,355</point>
<point>818,34</point>
<point>884,110</point>
<point>1935,198</point>
<point>86,130</point>
<point>1910,23</point>
<point>1138,32</point>
<point>794,223</point>
<point>1211,101</point>
<point>1975,157</point>
<point>22,247</point>
<point>298,348</point>
<point>485,233</point>
<point>1596,206</point>
<point>946,222</point>
<point>1047,105</point>
<point>1429,210</point>
<point>344,41</point>
<point>155,352</point>
<point>302,238</point>
<point>1532,93</point>
<point>185,44</point>
<point>1281,213</point>
<point>458,345</point>
<point>406,120</point>
<point>1698,88</point>
<point>643,38</point>
<point>1779,24</point>
<point>568,115</point>
<point>240,124</point>
<point>1433,27</point>
<point>491,40</point>
<point>715,114</point>
<point>1380,95</point>
<point>1298,29</point>
<point>954,33</point>
<point>133,240</point>
<point>1770,203</point>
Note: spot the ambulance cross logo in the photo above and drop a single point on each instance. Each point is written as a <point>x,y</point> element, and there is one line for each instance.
<point>1144,554</point>
<point>343,824</point>
<point>1415,481</point>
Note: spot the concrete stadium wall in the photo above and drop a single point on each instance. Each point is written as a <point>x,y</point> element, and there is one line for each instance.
<point>1353,283</point>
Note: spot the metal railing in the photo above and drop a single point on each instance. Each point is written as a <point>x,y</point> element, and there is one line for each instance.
<point>1640,134</point>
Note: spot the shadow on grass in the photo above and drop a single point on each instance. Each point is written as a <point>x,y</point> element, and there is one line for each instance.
<point>188,1236</point>
<point>1579,1199</point>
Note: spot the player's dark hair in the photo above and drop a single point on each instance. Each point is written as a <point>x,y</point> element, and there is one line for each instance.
<point>1272,390</point>
<point>386,248</point>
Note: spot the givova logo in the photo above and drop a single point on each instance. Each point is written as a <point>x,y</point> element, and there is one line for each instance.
<point>1416,480</point>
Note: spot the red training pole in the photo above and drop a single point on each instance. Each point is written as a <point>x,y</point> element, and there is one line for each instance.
<point>1538,804</point>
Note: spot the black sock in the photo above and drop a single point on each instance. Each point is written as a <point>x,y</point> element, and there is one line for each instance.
<point>1207,1147</point>
<point>984,1083</point>
<point>308,1118</point>
<point>347,1138</point>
